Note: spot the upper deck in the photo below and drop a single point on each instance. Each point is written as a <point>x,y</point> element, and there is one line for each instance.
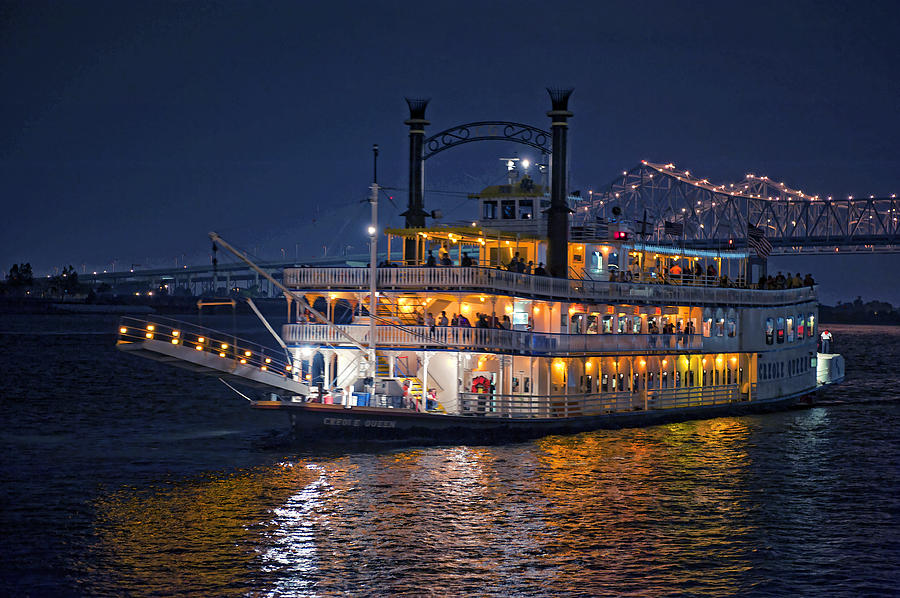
<point>495,281</point>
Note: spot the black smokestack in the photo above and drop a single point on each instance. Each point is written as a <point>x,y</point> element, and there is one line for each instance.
<point>558,214</point>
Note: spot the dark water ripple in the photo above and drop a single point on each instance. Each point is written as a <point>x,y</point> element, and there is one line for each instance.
<point>123,477</point>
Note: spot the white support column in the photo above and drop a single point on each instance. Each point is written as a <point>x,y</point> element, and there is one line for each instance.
<point>392,360</point>
<point>426,357</point>
<point>327,376</point>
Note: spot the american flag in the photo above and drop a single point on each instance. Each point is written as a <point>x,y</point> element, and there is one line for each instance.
<point>756,238</point>
<point>676,229</point>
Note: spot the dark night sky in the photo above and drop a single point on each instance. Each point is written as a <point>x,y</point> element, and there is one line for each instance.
<point>131,129</point>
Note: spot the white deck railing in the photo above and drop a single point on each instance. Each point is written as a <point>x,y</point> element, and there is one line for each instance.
<point>493,405</point>
<point>490,280</point>
<point>490,339</point>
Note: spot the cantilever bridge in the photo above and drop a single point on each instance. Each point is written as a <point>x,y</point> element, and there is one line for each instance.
<point>705,214</point>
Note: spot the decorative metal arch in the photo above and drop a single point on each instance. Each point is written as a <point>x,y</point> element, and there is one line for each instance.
<point>488,131</point>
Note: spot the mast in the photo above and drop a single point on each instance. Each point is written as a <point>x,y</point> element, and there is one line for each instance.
<point>288,292</point>
<point>373,270</point>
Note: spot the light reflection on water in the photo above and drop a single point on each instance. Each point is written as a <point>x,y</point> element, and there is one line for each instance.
<point>705,508</point>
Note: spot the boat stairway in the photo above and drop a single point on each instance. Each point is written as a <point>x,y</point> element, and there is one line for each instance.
<point>210,352</point>
<point>382,370</point>
<point>402,309</point>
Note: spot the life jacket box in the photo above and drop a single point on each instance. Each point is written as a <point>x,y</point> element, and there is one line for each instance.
<point>362,399</point>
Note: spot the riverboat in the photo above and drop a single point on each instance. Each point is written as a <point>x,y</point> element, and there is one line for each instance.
<point>459,334</point>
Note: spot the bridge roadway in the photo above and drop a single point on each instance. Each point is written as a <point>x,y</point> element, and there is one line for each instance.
<point>205,278</point>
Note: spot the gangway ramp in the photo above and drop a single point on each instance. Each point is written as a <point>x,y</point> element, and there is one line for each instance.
<point>208,351</point>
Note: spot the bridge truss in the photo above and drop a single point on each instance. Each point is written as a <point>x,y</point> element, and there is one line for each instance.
<point>704,214</point>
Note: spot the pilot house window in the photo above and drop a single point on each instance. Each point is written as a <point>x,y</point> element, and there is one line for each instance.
<point>489,210</point>
<point>526,209</point>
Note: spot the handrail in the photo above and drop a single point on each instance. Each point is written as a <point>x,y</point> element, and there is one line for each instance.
<point>226,346</point>
<point>495,339</point>
<point>481,279</point>
<point>555,406</point>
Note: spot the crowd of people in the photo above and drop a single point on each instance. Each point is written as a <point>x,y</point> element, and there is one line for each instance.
<point>516,264</point>
<point>675,274</point>
<point>781,281</point>
<point>461,321</point>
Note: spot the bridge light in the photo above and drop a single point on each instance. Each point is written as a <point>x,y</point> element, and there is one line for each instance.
<point>371,230</point>
<point>525,164</point>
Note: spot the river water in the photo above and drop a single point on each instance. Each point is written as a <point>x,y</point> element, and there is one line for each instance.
<point>122,476</point>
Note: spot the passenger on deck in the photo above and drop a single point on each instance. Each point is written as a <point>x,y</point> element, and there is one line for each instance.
<point>540,271</point>
<point>529,267</point>
<point>466,261</point>
<point>431,262</point>
<point>506,324</point>
<point>442,321</point>
<point>513,265</point>
<point>429,321</point>
<point>798,282</point>
<point>808,281</point>
<point>455,320</point>
<point>445,260</point>
<point>675,270</point>
<point>780,281</point>
<point>463,322</point>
